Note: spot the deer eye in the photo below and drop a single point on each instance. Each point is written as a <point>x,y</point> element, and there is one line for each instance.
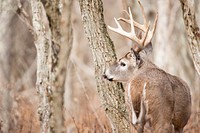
<point>122,64</point>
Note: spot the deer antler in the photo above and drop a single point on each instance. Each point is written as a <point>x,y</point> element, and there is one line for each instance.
<point>148,34</point>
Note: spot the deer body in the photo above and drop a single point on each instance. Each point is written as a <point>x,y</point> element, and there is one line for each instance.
<point>153,95</point>
<point>167,98</point>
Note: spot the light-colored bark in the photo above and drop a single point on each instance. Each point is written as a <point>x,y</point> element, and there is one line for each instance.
<point>53,43</point>
<point>5,51</point>
<point>10,55</point>
<point>14,47</point>
<point>44,74</point>
<point>192,30</point>
<point>111,94</point>
<point>6,103</point>
<point>61,36</point>
<point>163,42</point>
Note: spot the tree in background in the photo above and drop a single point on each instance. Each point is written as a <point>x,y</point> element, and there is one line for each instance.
<point>52,57</point>
<point>17,69</point>
<point>192,30</point>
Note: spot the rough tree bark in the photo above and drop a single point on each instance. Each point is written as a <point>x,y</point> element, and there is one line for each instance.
<point>111,94</point>
<point>61,37</point>
<point>44,74</point>
<point>53,51</point>
<point>192,30</point>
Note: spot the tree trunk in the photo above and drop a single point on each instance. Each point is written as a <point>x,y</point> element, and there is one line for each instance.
<point>44,74</point>
<point>163,42</point>
<point>61,37</point>
<point>192,30</point>
<point>5,69</point>
<point>111,94</point>
<point>53,43</point>
<point>13,63</point>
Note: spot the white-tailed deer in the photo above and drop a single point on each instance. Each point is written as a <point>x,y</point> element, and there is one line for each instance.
<point>155,96</point>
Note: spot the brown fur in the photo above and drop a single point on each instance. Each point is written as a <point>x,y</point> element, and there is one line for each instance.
<point>153,95</point>
<point>167,98</point>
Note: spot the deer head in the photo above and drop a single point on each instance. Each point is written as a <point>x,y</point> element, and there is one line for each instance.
<point>125,67</point>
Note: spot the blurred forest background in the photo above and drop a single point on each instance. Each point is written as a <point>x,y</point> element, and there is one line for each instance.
<point>83,110</point>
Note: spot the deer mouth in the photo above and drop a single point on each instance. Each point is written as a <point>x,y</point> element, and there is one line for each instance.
<point>108,78</point>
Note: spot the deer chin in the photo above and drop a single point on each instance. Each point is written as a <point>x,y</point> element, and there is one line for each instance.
<point>110,79</point>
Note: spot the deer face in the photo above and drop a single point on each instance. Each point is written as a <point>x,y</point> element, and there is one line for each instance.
<point>123,69</point>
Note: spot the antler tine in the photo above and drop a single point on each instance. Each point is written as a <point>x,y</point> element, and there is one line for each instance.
<point>151,32</point>
<point>132,24</point>
<point>136,24</point>
<point>143,14</point>
<point>120,31</point>
<point>142,41</point>
<point>131,35</point>
<point>155,23</point>
<point>142,27</point>
<point>147,33</point>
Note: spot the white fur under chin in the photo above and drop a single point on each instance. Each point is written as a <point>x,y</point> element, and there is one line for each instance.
<point>134,117</point>
<point>135,120</point>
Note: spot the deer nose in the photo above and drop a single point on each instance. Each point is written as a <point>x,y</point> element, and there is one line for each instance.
<point>104,76</point>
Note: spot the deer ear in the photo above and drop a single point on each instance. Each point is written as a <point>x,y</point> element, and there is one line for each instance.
<point>136,55</point>
<point>147,50</point>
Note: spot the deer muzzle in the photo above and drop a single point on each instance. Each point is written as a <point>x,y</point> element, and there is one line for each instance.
<point>106,77</point>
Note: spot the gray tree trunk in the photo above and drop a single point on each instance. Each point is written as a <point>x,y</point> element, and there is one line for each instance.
<point>5,51</point>
<point>44,67</point>
<point>53,43</point>
<point>192,30</point>
<point>111,94</point>
<point>13,63</point>
<point>61,37</point>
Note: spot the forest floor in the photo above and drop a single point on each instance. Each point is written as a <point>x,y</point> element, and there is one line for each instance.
<point>88,122</point>
<point>86,115</point>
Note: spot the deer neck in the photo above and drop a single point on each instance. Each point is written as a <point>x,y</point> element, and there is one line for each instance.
<point>144,66</point>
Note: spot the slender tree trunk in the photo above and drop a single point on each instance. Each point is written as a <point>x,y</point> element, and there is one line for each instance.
<point>111,94</point>
<point>163,41</point>
<point>9,65</point>
<point>192,30</point>
<point>5,71</point>
<point>44,74</point>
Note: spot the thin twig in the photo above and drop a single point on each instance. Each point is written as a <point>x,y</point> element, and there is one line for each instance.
<point>73,119</point>
<point>24,17</point>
